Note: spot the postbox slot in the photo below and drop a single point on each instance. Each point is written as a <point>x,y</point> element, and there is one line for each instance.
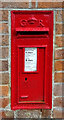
<point>32,32</point>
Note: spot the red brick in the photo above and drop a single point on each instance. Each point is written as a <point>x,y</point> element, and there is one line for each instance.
<point>59,65</point>
<point>2,115</point>
<point>4,15</point>
<point>59,77</point>
<point>50,4</point>
<point>4,90</point>
<point>33,3</point>
<point>59,15</point>
<point>3,27</point>
<point>59,28</point>
<point>58,102</point>
<point>46,113</point>
<point>58,113</point>
<point>4,65</point>
<point>4,52</point>
<point>58,90</point>
<point>7,114</point>
<point>18,4</point>
<point>4,78</point>
<point>4,102</point>
<point>0,4</point>
<point>4,40</point>
<point>59,54</point>
<point>59,41</point>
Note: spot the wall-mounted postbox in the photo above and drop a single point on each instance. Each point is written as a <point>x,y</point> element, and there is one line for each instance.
<point>31,59</point>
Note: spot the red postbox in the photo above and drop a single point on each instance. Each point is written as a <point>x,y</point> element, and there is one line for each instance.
<point>31,59</point>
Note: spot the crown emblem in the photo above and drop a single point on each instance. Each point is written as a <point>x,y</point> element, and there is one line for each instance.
<point>32,20</point>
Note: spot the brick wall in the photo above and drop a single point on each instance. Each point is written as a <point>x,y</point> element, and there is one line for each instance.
<point>57,110</point>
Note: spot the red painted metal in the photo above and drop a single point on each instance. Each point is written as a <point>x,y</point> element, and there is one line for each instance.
<point>31,29</point>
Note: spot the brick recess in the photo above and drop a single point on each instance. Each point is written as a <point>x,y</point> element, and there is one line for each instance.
<point>3,15</point>
<point>59,41</point>
<point>4,90</point>
<point>59,65</point>
<point>4,40</point>
<point>59,77</point>
<point>4,102</point>
<point>59,54</point>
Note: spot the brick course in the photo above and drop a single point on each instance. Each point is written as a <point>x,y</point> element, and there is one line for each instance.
<point>58,90</point>
<point>4,78</point>
<point>59,41</point>
<point>3,27</point>
<point>7,114</point>
<point>59,29</point>
<point>59,15</point>
<point>4,90</point>
<point>59,77</point>
<point>59,65</point>
<point>4,52</point>
<point>3,15</point>
<point>15,4</point>
<point>50,5</point>
<point>4,40</point>
<point>4,102</point>
<point>57,113</point>
<point>58,102</point>
<point>3,65</point>
<point>59,54</point>
<point>46,113</point>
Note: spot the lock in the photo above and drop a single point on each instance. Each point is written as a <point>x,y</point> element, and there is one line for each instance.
<point>25,79</point>
<point>31,56</point>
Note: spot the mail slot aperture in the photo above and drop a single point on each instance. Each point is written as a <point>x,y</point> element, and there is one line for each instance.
<point>31,59</point>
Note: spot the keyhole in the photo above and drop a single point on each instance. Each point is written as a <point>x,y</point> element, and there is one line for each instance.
<point>25,78</point>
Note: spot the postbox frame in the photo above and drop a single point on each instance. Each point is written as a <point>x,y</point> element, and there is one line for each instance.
<point>47,104</point>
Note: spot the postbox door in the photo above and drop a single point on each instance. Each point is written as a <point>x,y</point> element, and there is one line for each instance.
<point>31,81</point>
<point>31,73</point>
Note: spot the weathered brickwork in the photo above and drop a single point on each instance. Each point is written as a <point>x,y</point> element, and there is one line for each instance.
<point>7,114</point>
<point>57,110</point>
<point>59,77</point>
<point>4,78</point>
<point>59,54</point>
<point>4,102</point>
<point>59,41</point>
<point>16,4</point>
<point>59,15</point>
<point>3,15</point>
